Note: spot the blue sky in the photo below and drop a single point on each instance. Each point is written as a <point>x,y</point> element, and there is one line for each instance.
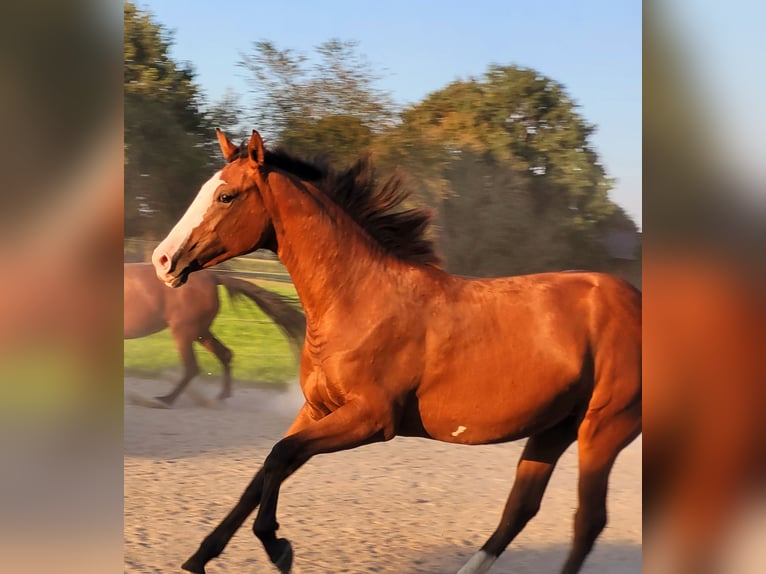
<point>592,47</point>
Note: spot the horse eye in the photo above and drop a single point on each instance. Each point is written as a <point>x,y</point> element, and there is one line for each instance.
<point>225,198</point>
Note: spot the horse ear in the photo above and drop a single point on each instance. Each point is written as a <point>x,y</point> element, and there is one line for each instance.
<point>255,151</point>
<point>227,148</point>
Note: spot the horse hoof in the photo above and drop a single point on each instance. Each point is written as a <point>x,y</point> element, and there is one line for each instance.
<point>165,400</point>
<point>194,566</point>
<point>285,561</point>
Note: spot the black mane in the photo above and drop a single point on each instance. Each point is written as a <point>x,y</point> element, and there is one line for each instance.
<point>373,205</point>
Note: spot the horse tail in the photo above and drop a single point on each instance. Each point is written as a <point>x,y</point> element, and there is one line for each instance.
<point>282,310</point>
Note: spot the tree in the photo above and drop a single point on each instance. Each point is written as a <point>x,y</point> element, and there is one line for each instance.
<point>505,159</point>
<point>511,125</point>
<point>327,106</point>
<point>225,114</point>
<point>488,226</point>
<point>165,130</point>
<point>519,117</point>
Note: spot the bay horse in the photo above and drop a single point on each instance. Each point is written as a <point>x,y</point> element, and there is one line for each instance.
<point>397,346</point>
<point>150,307</point>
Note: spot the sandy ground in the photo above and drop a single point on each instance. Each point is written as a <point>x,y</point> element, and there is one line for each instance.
<point>408,506</point>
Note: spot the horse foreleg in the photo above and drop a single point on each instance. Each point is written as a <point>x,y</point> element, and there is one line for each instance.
<point>351,425</point>
<point>189,363</point>
<point>224,355</point>
<point>534,470</point>
<point>216,541</point>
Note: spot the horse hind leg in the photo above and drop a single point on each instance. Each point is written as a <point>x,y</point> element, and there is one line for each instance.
<point>224,355</point>
<point>189,364</point>
<point>600,438</point>
<point>534,470</point>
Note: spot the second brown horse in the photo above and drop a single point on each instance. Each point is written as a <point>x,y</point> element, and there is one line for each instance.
<point>150,307</point>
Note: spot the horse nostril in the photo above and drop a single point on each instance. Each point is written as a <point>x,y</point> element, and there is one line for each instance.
<point>164,261</point>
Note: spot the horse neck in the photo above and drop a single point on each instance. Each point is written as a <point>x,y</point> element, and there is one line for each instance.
<point>327,254</point>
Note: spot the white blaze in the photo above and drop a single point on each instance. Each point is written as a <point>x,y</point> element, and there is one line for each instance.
<point>191,219</point>
<point>480,563</point>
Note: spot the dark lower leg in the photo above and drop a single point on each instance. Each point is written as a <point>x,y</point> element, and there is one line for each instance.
<point>170,398</point>
<point>522,505</point>
<point>216,541</point>
<point>350,426</point>
<point>590,517</point>
<point>191,369</point>
<point>278,467</point>
<point>224,355</point>
<point>532,475</point>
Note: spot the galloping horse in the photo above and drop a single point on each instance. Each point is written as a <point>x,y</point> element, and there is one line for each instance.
<point>149,307</point>
<point>397,346</point>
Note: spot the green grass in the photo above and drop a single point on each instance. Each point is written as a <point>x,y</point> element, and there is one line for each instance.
<point>261,352</point>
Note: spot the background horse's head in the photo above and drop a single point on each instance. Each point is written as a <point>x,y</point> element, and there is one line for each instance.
<point>213,229</point>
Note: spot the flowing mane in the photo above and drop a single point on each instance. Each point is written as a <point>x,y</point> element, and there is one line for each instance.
<point>372,204</point>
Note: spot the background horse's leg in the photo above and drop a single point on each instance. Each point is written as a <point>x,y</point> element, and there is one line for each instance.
<point>224,355</point>
<point>601,437</point>
<point>352,425</point>
<point>535,467</point>
<point>216,541</point>
<point>184,342</point>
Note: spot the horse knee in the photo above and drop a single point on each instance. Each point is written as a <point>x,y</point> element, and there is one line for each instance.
<point>281,457</point>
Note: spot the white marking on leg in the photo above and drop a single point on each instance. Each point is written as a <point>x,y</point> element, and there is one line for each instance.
<point>480,563</point>
<point>459,430</point>
<point>191,219</point>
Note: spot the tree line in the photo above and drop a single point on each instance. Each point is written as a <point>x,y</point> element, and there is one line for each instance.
<point>504,160</point>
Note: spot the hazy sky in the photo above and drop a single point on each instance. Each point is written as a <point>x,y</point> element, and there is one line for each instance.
<point>592,47</point>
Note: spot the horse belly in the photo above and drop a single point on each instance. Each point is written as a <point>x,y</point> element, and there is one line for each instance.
<point>141,320</point>
<point>501,372</point>
<point>473,411</point>
<point>137,329</point>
